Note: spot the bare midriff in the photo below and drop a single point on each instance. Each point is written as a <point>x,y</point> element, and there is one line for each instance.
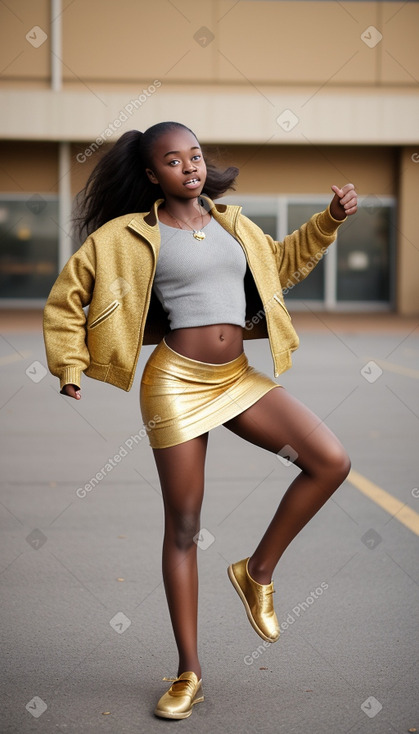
<point>216,343</point>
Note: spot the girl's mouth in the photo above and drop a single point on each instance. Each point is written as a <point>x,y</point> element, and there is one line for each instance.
<point>192,183</point>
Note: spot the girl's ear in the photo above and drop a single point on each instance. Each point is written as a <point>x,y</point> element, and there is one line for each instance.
<point>151,175</point>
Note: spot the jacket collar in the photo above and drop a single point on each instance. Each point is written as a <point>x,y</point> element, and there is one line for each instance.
<point>224,213</point>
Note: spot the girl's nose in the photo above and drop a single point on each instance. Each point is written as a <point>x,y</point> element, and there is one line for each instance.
<point>189,168</point>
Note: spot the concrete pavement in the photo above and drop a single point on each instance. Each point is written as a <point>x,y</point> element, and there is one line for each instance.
<point>86,636</point>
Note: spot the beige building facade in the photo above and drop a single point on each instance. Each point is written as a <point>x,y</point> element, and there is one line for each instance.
<point>299,95</point>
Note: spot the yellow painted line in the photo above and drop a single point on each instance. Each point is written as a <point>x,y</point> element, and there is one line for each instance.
<point>392,367</point>
<point>14,357</point>
<point>386,501</point>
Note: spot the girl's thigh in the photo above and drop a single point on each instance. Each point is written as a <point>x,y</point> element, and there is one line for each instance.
<point>280,423</point>
<point>181,472</point>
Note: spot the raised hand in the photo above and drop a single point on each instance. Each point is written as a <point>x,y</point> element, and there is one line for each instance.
<point>344,202</point>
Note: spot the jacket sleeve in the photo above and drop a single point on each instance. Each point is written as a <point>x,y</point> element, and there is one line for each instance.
<point>300,251</point>
<point>64,320</point>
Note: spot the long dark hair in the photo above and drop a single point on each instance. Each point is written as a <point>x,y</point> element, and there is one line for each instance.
<point>119,184</point>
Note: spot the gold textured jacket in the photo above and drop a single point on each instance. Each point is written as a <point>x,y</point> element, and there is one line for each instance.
<point>113,273</point>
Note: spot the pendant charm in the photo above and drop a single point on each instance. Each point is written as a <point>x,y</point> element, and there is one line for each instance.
<point>199,235</point>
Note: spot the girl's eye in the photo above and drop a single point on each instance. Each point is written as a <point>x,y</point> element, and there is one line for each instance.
<point>174,162</point>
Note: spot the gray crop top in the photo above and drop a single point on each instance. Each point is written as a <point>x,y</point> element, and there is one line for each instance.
<point>200,282</point>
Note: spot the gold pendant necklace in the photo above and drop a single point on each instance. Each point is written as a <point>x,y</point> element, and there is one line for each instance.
<point>197,234</point>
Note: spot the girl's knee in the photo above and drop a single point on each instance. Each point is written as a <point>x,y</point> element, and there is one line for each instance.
<point>338,463</point>
<point>344,466</point>
<point>330,463</point>
<point>182,529</point>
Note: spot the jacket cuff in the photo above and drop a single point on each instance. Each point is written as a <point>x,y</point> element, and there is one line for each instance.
<point>328,224</point>
<point>70,376</point>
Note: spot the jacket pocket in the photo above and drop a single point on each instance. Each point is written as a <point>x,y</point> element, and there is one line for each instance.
<point>278,300</point>
<point>108,311</point>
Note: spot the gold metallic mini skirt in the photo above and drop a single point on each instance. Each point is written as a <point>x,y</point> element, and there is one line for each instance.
<point>181,398</point>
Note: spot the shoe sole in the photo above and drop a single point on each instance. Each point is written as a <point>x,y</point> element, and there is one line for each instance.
<point>166,715</point>
<point>250,617</point>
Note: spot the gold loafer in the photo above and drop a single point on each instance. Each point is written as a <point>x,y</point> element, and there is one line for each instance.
<point>257,600</point>
<point>184,692</point>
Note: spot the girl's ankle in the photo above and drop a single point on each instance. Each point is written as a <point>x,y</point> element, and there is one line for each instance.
<point>192,667</point>
<point>258,574</point>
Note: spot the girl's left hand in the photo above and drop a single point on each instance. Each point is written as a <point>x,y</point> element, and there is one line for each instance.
<point>344,202</point>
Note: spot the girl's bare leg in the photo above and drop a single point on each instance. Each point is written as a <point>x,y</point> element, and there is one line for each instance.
<point>275,421</point>
<point>181,472</point>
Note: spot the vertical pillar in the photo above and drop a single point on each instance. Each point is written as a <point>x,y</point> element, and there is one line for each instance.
<point>64,198</point>
<point>408,233</point>
<point>56,46</point>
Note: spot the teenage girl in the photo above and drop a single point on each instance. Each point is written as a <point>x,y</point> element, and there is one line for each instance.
<point>188,274</point>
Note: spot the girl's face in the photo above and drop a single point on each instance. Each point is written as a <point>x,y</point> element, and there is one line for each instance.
<point>178,165</point>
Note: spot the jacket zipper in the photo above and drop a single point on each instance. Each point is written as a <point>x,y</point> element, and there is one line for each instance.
<point>283,306</point>
<point>146,307</point>
<point>257,286</point>
<point>105,314</point>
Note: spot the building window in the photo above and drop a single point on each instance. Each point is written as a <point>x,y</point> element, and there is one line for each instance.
<point>364,256</point>
<point>28,245</point>
<point>359,268</point>
<point>311,288</point>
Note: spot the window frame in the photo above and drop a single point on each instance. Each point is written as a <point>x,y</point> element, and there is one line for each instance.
<point>278,206</point>
<point>5,198</point>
